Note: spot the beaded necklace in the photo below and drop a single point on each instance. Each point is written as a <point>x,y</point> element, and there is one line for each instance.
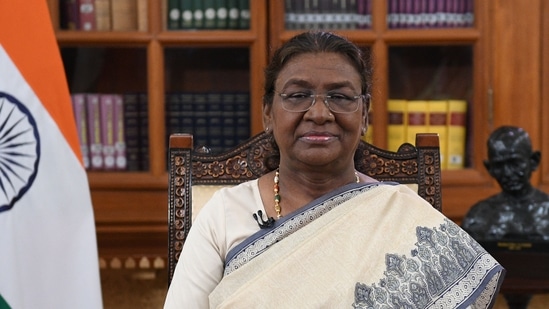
<point>276,190</point>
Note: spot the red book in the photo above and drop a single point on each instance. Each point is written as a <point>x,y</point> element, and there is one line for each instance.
<point>94,131</point>
<point>79,109</point>
<point>86,15</point>
<point>120,161</point>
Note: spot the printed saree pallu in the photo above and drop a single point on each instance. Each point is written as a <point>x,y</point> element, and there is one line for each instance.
<point>362,246</point>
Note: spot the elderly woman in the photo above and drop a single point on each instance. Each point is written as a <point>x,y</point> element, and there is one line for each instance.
<point>327,236</point>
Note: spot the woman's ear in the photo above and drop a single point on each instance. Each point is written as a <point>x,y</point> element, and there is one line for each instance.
<point>267,117</point>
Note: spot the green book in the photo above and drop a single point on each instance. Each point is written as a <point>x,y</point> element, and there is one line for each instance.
<point>187,11</point>
<point>244,20</point>
<point>174,15</point>
<point>209,10</point>
<point>222,14</point>
<point>234,14</point>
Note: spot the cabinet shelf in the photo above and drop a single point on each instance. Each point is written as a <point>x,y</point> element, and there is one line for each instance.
<point>126,180</point>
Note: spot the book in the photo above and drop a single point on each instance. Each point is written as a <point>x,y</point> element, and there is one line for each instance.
<point>68,14</point>
<point>132,134</point>
<point>244,14</point>
<point>185,111</point>
<point>106,108</point>
<point>186,11</point>
<point>80,117</point>
<point>437,123</point>
<point>221,14</point>
<point>198,14</point>
<point>124,15</point>
<point>417,111</point>
<point>242,116</point>
<point>396,123</point>
<point>228,119</point>
<point>174,14</point>
<point>200,120</point>
<point>94,131</point>
<point>142,15</point>
<point>215,121</point>
<point>364,14</point>
<point>234,14</point>
<point>143,131</point>
<point>120,161</point>
<point>103,15</point>
<point>457,122</point>
<point>86,17</point>
<point>209,11</point>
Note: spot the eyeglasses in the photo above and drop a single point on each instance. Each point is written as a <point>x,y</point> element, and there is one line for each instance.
<point>299,102</point>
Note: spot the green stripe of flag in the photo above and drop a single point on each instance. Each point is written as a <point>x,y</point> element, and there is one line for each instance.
<point>3,303</point>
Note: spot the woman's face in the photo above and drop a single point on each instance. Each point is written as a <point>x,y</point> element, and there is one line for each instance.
<point>317,137</point>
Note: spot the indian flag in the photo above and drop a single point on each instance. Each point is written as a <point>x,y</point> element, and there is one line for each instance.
<point>48,248</point>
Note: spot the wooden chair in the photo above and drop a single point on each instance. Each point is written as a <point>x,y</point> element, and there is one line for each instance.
<point>417,165</point>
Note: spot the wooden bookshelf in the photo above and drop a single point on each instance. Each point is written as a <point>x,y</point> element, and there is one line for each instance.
<point>506,45</point>
<point>509,67</point>
<point>130,207</point>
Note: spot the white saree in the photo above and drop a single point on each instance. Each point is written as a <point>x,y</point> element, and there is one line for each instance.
<point>364,246</point>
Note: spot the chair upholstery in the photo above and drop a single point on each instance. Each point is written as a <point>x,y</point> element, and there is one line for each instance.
<point>417,165</point>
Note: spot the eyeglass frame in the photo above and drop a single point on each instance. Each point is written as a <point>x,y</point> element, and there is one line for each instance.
<point>284,96</point>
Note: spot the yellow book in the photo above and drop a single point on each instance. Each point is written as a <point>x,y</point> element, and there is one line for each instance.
<point>396,123</point>
<point>418,111</point>
<point>437,123</point>
<point>457,121</point>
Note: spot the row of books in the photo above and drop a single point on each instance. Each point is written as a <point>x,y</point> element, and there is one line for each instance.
<point>328,14</point>
<point>103,15</point>
<point>448,118</point>
<point>430,13</point>
<point>112,130</point>
<point>208,14</point>
<point>217,120</point>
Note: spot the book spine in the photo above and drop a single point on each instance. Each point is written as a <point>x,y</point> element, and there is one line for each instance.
<point>174,14</point>
<point>198,14</point>
<point>200,120</point>
<point>172,113</point>
<point>215,128</point>
<point>396,123</point>
<point>185,111</point>
<point>86,18</point>
<point>186,11</point>
<point>69,12</point>
<point>94,131</point>
<point>234,14</point>
<point>106,108</point>
<point>124,15</point>
<point>142,15</point>
<point>289,15</point>
<point>131,130</point>
<point>457,122</point>
<point>437,123</point>
<point>228,119</point>
<point>244,14</point>
<point>79,109</point>
<point>417,111</point>
<point>103,15</point>
<point>120,161</point>
<point>209,11</point>
<point>364,14</point>
<point>242,116</point>
<point>143,132</point>
<point>221,14</point>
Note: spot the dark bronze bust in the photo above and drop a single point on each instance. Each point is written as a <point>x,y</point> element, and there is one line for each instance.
<point>519,211</point>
